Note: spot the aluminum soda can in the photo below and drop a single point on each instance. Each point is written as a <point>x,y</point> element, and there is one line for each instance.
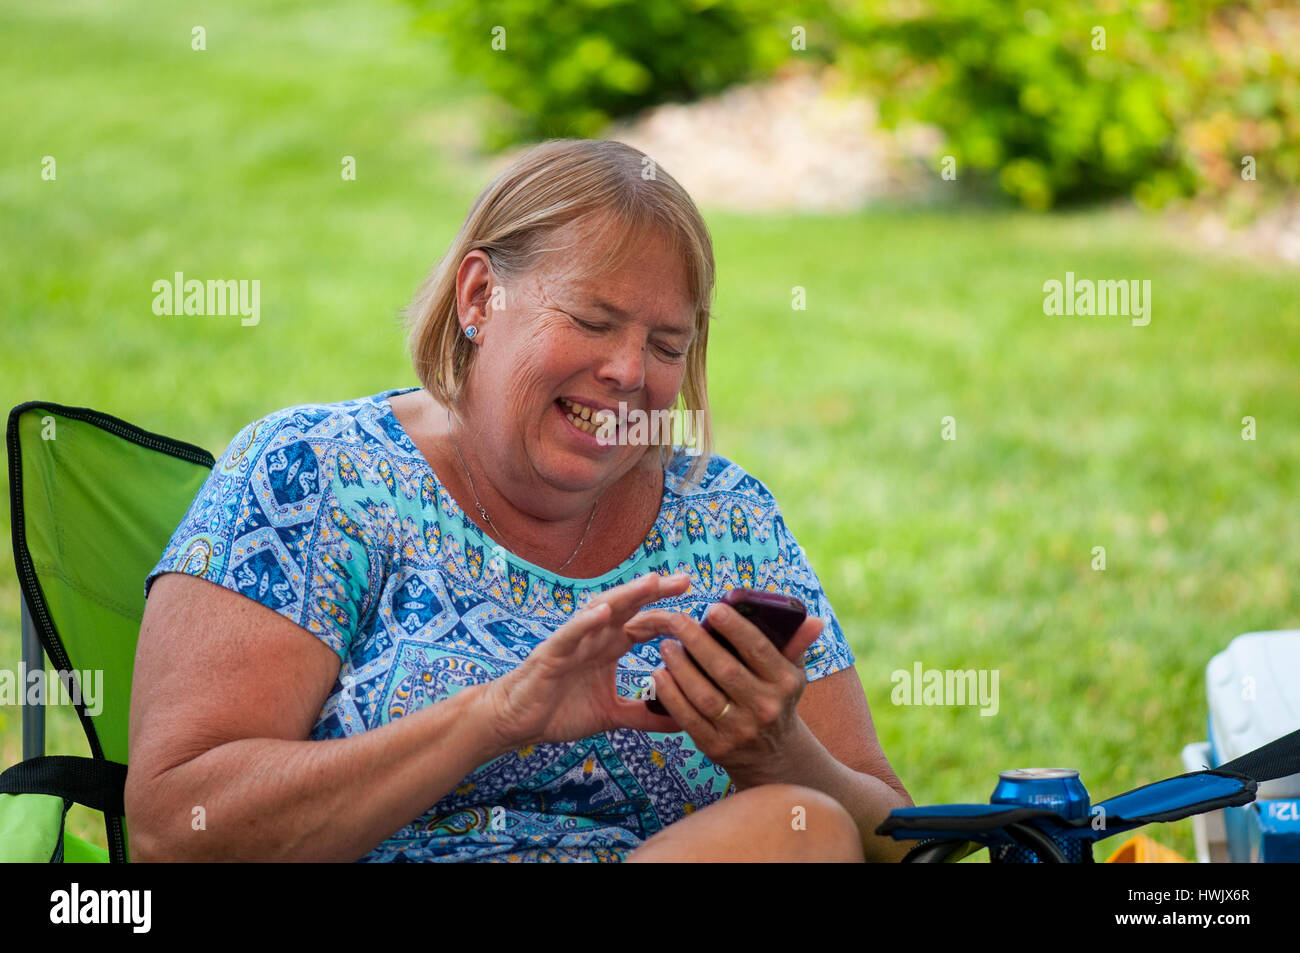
<point>1054,789</point>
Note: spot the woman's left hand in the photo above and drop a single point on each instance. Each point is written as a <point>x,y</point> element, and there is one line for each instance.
<point>752,739</point>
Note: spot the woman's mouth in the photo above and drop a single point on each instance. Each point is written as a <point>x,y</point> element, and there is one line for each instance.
<point>584,418</point>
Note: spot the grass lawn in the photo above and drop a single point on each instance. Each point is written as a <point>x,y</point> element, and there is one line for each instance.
<point>973,553</point>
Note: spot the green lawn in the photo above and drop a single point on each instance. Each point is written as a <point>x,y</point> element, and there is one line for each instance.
<point>973,553</point>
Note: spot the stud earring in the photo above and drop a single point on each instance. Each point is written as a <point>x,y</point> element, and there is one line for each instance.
<point>471,332</point>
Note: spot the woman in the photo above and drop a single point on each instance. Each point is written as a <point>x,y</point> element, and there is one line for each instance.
<point>422,620</point>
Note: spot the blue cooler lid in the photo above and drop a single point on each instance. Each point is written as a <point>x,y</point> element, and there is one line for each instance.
<point>1253,690</point>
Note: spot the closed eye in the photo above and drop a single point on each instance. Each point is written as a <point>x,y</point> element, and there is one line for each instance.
<point>586,325</point>
<point>668,352</point>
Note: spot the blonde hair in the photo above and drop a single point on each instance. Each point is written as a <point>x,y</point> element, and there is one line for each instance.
<point>554,183</point>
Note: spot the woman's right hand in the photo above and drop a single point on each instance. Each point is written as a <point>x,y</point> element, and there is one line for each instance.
<point>565,689</point>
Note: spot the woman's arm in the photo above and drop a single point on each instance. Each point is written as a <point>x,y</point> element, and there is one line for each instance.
<point>836,751</point>
<point>225,694</point>
<point>842,755</point>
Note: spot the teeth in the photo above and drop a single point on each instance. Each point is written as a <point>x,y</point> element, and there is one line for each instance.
<point>583,417</point>
<point>581,424</point>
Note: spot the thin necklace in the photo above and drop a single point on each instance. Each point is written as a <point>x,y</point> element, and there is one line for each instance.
<point>487,519</point>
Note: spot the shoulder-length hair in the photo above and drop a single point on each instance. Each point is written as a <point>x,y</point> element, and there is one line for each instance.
<point>552,184</point>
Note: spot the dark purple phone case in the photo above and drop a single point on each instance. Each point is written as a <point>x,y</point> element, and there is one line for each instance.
<point>776,616</point>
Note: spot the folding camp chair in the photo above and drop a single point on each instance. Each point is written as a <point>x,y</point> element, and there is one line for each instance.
<point>94,501</point>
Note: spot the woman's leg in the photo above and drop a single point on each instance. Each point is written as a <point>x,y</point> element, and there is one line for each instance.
<point>773,822</point>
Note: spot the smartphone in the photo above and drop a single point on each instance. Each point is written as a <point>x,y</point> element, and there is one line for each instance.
<point>776,616</point>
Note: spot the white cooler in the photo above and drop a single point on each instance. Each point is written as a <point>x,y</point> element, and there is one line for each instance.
<point>1253,689</point>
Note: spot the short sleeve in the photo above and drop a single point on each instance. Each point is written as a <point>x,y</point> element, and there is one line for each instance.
<point>269,525</point>
<point>795,577</point>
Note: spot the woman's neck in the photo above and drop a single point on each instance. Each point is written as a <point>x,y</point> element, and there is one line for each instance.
<point>598,530</point>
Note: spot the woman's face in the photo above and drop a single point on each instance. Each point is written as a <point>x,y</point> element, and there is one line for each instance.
<point>553,336</point>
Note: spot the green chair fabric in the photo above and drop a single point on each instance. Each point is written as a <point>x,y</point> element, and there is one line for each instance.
<point>30,825</point>
<point>94,501</point>
<point>78,851</point>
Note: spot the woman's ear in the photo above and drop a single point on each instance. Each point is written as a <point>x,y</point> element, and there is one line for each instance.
<point>475,285</point>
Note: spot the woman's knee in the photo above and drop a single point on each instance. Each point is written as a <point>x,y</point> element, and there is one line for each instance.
<point>772,822</point>
<point>811,822</point>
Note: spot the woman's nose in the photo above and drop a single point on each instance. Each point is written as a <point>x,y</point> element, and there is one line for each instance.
<point>625,366</point>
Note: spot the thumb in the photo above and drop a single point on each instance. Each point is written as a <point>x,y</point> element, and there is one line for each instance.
<point>807,633</point>
<point>632,713</point>
<point>566,638</point>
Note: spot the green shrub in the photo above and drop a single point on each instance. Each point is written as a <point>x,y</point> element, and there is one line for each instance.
<point>568,68</point>
<point>1244,82</point>
<point>1074,101</point>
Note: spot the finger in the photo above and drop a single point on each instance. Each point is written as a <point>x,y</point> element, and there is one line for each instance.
<point>704,695</point>
<point>656,621</point>
<point>653,623</point>
<point>640,633</point>
<point>650,620</point>
<point>626,599</point>
<point>728,673</point>
<point>704,648</point>
<point>647,624</point>
<point>633,713</point>
<point>680,708</point>
<point>756,650</point>
<point>569,636</point>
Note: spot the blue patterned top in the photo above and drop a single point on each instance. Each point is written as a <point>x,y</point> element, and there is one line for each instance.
<point>329,515</point>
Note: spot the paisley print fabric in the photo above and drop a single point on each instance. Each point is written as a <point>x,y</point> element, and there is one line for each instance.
<point>329,515</point>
